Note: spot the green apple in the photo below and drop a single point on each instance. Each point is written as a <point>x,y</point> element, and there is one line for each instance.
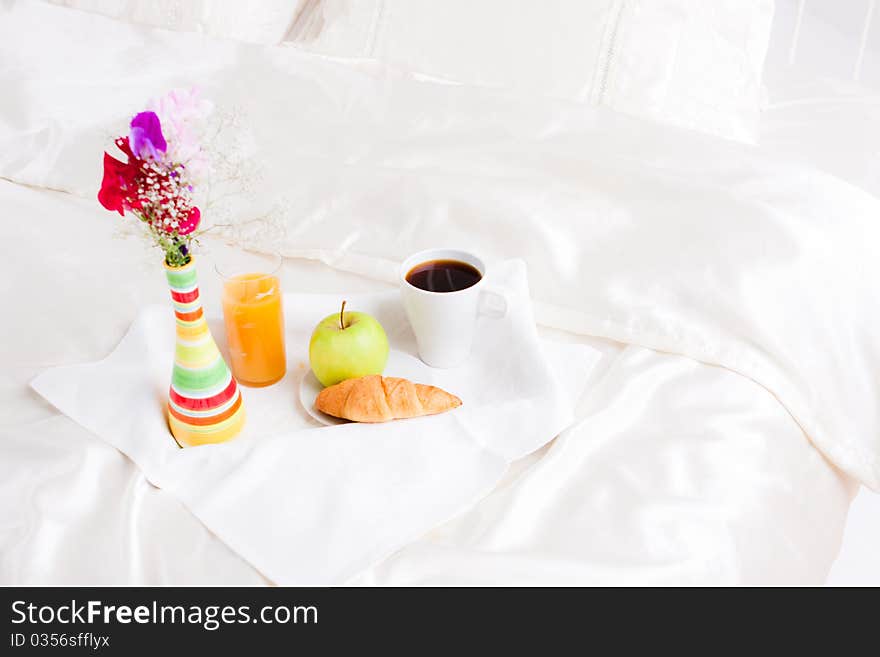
<point>347,345</point>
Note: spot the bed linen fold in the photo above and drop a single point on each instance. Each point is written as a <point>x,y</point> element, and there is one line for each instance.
<point>676,473</point>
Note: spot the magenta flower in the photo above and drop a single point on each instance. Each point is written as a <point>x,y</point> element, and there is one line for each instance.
<point>189,224</point>
<point>147,140</point>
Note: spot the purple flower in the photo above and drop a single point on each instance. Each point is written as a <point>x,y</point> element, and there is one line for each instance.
<point>146,136</point>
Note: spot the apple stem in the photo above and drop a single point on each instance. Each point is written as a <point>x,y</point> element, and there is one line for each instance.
<point>342,317</point>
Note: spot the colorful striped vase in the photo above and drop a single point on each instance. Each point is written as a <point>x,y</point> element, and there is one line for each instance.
<point>204,404</point>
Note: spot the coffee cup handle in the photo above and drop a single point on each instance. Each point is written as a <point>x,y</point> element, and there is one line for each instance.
<point>493,301</point>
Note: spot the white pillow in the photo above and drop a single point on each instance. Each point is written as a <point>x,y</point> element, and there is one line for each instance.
<point>266,21</point>
<point>693,63</point>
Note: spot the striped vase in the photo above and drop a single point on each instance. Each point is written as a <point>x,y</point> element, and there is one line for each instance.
<point>204,404</point>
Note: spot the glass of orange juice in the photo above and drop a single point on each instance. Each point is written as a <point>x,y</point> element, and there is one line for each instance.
<point>254,318</point>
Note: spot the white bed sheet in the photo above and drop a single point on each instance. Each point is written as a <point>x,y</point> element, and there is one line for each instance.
<point>823,108</point>
<point>822,89</point>
<point>830,124</point>
<point>652,237</point>
<point>678,472</point>
<point>833,123</point>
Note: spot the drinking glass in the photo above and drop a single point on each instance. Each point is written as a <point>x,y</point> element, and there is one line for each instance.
<point>254,317</point>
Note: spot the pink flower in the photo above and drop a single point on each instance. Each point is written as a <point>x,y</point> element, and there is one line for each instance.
<point>182,113</point>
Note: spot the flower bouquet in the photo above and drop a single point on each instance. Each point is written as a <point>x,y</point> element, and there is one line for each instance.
<point>156,184</point>
<point>156,181</point>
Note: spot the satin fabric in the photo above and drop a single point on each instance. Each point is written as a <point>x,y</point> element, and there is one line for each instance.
<point>266,21</point>
<point>830,123</point>
<point>684,62</point>
<point>675,472</point>
<point>652,236</point>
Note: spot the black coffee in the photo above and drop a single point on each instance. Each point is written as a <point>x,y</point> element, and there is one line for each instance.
<point>443,276</point>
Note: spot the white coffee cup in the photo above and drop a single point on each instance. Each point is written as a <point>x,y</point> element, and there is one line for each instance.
<point>444,323</point>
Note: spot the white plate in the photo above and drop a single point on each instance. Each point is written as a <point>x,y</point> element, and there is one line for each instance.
<point>399,364</point>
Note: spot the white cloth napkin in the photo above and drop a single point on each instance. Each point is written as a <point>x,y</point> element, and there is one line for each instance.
<point>308,504</point>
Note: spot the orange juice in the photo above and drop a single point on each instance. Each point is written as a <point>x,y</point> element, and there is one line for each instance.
<point>255,328</point>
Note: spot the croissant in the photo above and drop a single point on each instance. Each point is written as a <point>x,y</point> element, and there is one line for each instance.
<point>377,398</point>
